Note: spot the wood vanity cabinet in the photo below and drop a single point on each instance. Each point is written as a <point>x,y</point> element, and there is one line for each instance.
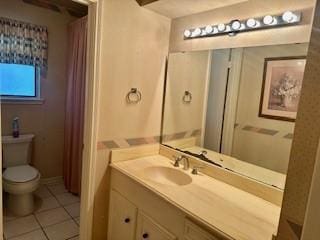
<point>150,230</point>
<point>122,218</point>
<point>194,232</point>
<point>136,213</point>
<point>125,223</point>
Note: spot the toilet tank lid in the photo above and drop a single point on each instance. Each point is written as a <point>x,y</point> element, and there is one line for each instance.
<point>22,138</point>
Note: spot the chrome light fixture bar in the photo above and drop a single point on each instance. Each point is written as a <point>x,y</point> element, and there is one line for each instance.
<point>234,27</point>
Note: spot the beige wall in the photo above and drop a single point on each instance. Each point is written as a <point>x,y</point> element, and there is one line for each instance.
<point>248,145</point>
<point>311,230</point>
<point>179,8</point>
<point>134,46</point>
<point>295,34</point>
<point>46,121</point>
<point>305,144</point>
<point>186,72</point>
<point>134,51</point>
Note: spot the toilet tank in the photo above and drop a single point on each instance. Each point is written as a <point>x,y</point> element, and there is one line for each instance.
<point>16,151</point>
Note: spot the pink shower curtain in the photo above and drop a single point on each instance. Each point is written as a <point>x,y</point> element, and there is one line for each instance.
<point>74,121</point>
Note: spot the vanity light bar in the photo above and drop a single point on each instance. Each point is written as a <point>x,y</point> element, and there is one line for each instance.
<point>252,24</point>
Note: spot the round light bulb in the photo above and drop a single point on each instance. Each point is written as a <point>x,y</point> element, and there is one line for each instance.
<point>196,32</point>
<point>187,33</point>
<point>289,17</point>
<point>269,20</point>
<point>236,25</point>
<point>252,23</point>
<point>221,27</point>
<point>215,30</point>
<point>209,29</point>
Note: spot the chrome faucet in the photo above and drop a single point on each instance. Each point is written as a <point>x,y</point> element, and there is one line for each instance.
<point>184,159</point>
<point>203,153</point>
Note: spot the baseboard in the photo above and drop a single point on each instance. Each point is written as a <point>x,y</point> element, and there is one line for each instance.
<point>52,180</point>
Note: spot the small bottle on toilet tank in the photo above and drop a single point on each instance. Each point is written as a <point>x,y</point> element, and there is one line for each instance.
<point>15,127</point>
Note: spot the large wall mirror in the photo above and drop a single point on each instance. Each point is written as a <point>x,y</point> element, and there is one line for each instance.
<point>236,108</point>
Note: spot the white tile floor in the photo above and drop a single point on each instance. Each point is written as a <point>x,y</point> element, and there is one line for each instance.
<point>56,217</point>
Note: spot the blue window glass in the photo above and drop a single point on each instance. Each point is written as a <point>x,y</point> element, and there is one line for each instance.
<point>17,80</point>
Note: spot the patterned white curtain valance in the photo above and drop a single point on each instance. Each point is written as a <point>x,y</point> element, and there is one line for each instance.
<point>23,43</point>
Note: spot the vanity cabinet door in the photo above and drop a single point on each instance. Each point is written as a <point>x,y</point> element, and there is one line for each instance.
<point>122,218</point>
<point>194,232</point>
<point>148,229</point>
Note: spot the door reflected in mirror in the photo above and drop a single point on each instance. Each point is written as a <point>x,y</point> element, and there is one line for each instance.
<point>235,108</point>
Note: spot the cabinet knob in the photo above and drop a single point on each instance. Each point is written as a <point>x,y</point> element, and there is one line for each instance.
<point>127,220</point>
<point>145,235</point>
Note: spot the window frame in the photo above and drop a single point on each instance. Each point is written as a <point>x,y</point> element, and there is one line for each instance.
<point>26,99</point>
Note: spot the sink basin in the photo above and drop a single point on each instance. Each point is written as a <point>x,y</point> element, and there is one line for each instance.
<point>167,176</point>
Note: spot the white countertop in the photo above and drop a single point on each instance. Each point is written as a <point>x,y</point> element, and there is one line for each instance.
<point>222,207</point>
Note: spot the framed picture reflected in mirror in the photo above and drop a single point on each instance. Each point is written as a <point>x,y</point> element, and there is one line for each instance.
<point>281,87</point>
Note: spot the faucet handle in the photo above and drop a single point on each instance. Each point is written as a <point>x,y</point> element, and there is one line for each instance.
<point>176,161</point>
<point>195,169</point>
<point>203,152</point>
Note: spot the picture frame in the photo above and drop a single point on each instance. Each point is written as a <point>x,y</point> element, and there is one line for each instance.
<point>281,87</point>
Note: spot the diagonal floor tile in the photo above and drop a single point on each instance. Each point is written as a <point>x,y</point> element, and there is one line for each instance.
<point>73,209</point>
<point>20,226</point>
<point>67,199</point>
<point>36,235</point>
<point>51,217</point>
<point>77,220</point>
<point>62,231</point>
<point>57,189</point>
<point>46,204</point>
<point>42,192</point>
<point>74,238</point>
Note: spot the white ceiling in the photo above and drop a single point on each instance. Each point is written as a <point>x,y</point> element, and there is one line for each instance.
<point>180,8</point>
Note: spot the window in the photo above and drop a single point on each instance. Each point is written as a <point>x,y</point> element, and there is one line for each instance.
<point>19,82</point>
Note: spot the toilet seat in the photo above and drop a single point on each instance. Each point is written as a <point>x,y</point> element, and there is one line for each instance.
<point>20,174</point>
<point>20,182</point>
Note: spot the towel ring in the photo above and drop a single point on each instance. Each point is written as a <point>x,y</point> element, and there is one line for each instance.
<point>187,97</point>
<point>134,96</point>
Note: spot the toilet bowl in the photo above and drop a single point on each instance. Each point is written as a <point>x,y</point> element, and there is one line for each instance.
<point>20,182</point>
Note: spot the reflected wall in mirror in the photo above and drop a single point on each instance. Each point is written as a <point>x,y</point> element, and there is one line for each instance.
<point>212,107</point>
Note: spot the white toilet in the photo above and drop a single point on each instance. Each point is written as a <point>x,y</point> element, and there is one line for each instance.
<point>20,180</point>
